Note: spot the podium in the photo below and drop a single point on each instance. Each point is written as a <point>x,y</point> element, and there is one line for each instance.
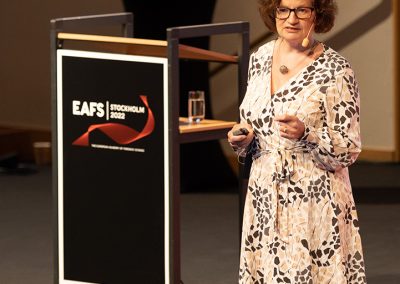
<point>116,136</point>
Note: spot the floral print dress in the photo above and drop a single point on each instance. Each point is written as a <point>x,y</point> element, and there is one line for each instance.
<point>300,222</point>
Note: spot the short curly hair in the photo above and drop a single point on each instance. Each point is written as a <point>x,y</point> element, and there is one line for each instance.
<point>325,14</point>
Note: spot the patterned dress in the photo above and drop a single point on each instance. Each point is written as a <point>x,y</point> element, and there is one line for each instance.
<point>300,222</point>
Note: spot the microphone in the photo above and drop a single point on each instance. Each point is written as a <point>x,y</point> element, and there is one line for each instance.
<point>306,41</point>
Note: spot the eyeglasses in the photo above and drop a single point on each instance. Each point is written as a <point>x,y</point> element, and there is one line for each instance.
<point>282,13</point>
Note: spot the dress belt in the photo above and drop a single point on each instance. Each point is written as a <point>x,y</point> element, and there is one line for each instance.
<point>284,170</point>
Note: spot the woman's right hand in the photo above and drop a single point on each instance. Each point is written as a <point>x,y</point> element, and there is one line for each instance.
<point>240,141</point>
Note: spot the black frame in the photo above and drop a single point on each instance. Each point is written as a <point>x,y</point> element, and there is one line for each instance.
<point>173,36</point>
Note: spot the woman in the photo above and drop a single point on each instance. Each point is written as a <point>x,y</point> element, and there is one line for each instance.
<point>301,110</point>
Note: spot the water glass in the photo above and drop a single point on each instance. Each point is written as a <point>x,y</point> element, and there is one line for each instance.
<point>196,106</point>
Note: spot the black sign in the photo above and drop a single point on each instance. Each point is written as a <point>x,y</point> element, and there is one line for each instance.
<point>112,163</point>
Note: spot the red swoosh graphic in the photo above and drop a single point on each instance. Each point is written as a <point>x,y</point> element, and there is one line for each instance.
<point>120,133</point>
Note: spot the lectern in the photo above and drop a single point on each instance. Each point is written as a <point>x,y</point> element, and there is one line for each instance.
<point>116,136</point>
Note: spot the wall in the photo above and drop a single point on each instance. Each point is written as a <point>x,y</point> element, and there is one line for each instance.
<point>367,43</point>
<point>25,56</point>
<point>363,34</point>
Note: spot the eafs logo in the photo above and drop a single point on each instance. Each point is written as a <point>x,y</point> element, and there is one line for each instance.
<point>119,133</point>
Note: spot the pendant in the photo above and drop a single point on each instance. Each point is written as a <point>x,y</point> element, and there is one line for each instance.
<point>283,69</point>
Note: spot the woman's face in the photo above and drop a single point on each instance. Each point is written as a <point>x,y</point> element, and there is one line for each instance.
<point>295,28</point>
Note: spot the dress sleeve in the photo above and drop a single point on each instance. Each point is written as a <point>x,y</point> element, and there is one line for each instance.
<point>334,142</point>
<point>250,76</point>
<point>243,152</point>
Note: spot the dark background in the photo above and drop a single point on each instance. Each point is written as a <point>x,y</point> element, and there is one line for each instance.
<point>211,171</point>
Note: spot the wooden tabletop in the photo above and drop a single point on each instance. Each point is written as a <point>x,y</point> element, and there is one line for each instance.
<point>205,125</point>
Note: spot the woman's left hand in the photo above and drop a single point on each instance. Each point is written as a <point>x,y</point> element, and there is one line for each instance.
<point>290,126</point>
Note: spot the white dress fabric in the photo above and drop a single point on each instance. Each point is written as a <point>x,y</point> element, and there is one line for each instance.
<point>300,222</point>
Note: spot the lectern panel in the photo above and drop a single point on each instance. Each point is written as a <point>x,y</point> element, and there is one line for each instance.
<point>113,178</point>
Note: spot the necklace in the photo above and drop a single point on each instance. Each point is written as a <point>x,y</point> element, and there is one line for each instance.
<point>310,51</point>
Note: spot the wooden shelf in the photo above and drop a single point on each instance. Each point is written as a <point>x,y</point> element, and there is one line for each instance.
<point>204,131</point>
<point>137,46</point>
<point>205,125</point>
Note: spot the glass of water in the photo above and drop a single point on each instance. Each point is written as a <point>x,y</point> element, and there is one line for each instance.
<point>196,106</point>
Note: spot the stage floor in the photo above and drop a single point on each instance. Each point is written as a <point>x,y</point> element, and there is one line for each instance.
<point>210,229</point>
